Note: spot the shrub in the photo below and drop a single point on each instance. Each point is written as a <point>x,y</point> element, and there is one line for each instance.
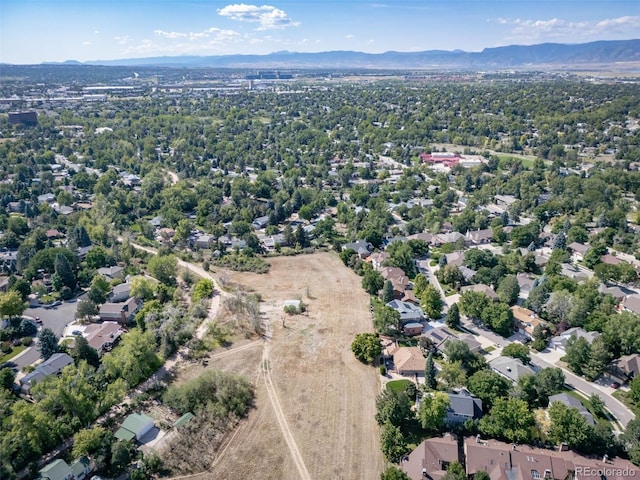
<point>5,347</point>
<point>26,341</point>
<point>383,370</point>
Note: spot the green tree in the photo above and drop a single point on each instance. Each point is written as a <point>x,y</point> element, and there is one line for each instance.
<point>488,386</point>
<point>47,343</point>
<point>597,405</point>
<point>452,374</point>
<point>372,281</point>
<point>481,475</point>
<point>83,351</point>
<point>393,473</point>
<point>549,381</point>
<point>23,287</point>
<point>164,268</point>
<point>455,471</point>
<point>385,318</point>
<point>142,288</point>
<point>64,275</point>
<point>420,283</point>
<point>91,441</point>
<point>366,347</point>
<point>567,426</point>
<point>387,291</point>
<point>433,410</point>
<point>631,438</point>
<point>11,304</point>
<point>430,373</point>
<point>517,350</point>
<point>473,303</point>
<point>499,318</point>
<point>509,289</point>
<point>453,316</point>
<point>392,442</point>
<point>86,309</point>
<point>202,289</point>
<point>599,358</point>
<point>7,377</point>
<point>96,258</point>
<point>578,353</point>
<point>134,360</point>
<point>509,418</point>
<point>431,302</point>
<point>393,407</point>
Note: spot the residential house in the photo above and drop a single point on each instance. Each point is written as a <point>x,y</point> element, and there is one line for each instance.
<point>81,468</point>
<point>526,320</point>
<point>631,303</point>
<point>572,402</point>
<point>412,328</point>
<point>103,336</point>
<point>260,222</point>
<point>120,312</point>
<point>120,293</point>
<point>439,336</point>
<point>462,407</point>
<point>450,237</point>
<point>610,259</point>
<point>378,259</point>
<point>616,292</point>
<point>559,342</point>
<point>409,313</point>
<point>573,272</point>
<point>482,288</point>
<point>202,241</point>
<point>526,283</point>
<point>510,368</point>
<point>474,345</point>
<point>46,198</point>
<point>361,247</point>
<point>507,461</point>
<point>431,458</point>
<point>111,273</point>
<point>136,426</point>
<point>627,366</point>
<point>467,273</point>
<point>4,284</point>
<point>504,201</point>
<point>577,251</point>
<point>57,470</point>
<point>397,278</point>
<point>425,236</point>
<point>409,361</point>
<point>455,258</point>
<point>479,237</point>
<point>52,366</point>
<point>54,234</point>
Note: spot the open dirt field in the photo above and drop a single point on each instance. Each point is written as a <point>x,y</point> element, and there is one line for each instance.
<point>315,404</point>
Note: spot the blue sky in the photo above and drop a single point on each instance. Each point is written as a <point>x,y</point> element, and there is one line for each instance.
<point>33,31</point>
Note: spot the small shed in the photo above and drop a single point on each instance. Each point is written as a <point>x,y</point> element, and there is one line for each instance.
<point>136,425</point>
<point>183,420</point>
<point>57,470</point>
<point>413,328</point>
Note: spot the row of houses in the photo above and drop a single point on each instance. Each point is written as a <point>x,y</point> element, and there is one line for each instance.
<point>503,461</point>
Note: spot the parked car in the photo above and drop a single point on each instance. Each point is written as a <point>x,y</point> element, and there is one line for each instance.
<point>53,305</point>
<point>38,320</point>
<point>615,385</point>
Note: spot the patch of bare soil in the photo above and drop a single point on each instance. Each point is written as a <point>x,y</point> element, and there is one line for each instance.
<point>321,424</point>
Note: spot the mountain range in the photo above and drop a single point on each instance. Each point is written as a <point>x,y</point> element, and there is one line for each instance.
<point>513,56</point>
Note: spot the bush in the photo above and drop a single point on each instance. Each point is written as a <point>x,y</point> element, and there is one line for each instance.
<point>383,370</point>
<point>66,293</point>
<point>5,347</point>
<point>26,341</point>
<point>242,262</point>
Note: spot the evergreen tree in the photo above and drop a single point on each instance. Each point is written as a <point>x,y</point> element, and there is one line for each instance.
<point>47,343</point>
<point>64,275</point>
<point>453,316</point>
<point>430,373</point>
<point>387,291</point>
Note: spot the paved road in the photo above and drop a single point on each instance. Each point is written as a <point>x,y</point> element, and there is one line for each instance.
<point>55,319</point>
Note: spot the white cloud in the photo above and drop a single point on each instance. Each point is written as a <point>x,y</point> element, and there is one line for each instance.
<point>557,29</point>
<point>269,17</point>
<point>162,33</point>
<point>97,32</point>
<point>122,40</point>
<point>86,44</point>
<point>350,36</point>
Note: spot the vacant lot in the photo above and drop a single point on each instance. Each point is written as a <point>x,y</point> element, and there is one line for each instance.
<point>326,397</point>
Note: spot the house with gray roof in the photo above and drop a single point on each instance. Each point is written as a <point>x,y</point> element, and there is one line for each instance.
<point>57,470</point>
<point>462,407</point>
<point>510,368</point>
<point>361,247</point>
<point>52,366</point>
<point>559,342</point>
<point>136,425</point>
<point>408,311</point>
<point>572,402</point>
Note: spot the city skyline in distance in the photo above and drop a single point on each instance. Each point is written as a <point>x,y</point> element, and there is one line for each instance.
<point>36,31</point>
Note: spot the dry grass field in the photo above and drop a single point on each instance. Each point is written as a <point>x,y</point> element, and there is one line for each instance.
<point>315,404</point>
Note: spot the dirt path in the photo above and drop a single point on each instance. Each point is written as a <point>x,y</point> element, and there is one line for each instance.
<point>277,407</point>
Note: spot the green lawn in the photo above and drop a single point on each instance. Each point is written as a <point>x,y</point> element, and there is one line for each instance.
<point>14,352</point>
<point>489,349</point>
<point>626,400</point>
<point>398,385</point>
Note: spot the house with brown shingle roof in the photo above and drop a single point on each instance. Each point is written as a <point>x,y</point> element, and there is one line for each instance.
<point>409,361</point>
<point>431,458</point>
<point>482,288</point>
<point>526,320</point>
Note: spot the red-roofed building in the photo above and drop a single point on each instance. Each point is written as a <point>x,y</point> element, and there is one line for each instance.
<point>446,159</point>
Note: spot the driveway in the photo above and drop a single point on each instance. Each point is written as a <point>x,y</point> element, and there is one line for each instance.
<point>55,319</point>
